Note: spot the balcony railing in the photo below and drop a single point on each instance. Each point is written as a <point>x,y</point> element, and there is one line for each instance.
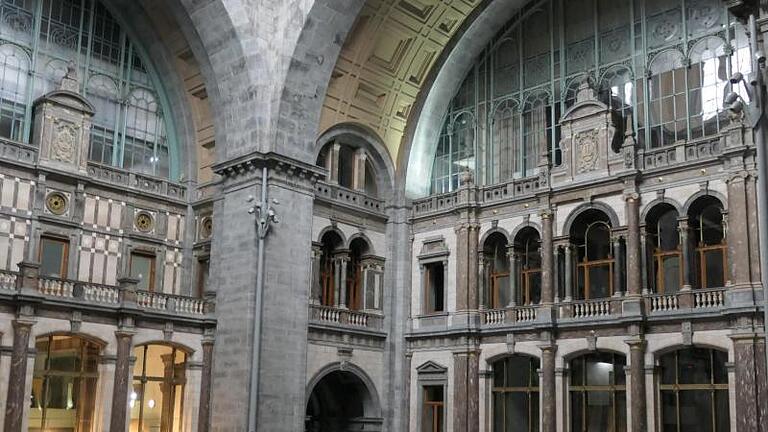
<point>591,308</point>
<point>685,301</point>
<point>107,295</point>
<point>680,152</point>
<point>512,315</point>
<point>345,317</point>
<point>341,195</point>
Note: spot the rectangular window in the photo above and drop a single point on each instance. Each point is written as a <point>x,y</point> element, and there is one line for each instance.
<point>143,269</point>
<point>203,270</point>
<point>434,417</point>
<point>53,257</point>
<point>435,289</point>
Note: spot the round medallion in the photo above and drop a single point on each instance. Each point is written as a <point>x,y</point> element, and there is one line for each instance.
<point>56,203</point>
<point>206,228</point>
<point>144,222</point>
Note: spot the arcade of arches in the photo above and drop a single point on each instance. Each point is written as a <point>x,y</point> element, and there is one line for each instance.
<point>381,215</point>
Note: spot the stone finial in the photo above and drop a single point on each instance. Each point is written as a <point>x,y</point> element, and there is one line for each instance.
<point>70,82</point>
<point>467,179</point>
<point>586,90</point>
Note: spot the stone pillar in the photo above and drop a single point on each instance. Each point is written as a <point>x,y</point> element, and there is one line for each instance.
<point>343,282</point>
<point>466,267</point>
<point>548,393</point>
<point>634,267</point>
<point>473,296</point>
<point>637,381</point>
<point>751,387</point>
<point>513,272</point>
<point>316,289</point>
<point>547,259</point>
<point>617,288</point>
<point>119,411</point>
<point>204,413</point>
<point>16,399</point>
<point>358,176</point>
<point>644,258</point>
<point>466,394</point>
<point>483,283</point>
<point>332,162</point>
<point>738,233</point>
<point>686,251</point>
<point>568,273</point>
<point>556,274</point>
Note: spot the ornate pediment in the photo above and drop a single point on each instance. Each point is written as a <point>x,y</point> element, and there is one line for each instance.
<point>431,367</point>
<point>587,133</point>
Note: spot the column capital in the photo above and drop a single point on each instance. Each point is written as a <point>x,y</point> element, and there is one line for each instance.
<point>636,343</point>
<point>631,197</point>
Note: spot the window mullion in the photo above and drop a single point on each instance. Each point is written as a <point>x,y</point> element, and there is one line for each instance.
<point>38,19</point>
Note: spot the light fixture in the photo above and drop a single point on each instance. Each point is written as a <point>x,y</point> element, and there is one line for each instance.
<point>151,403</point>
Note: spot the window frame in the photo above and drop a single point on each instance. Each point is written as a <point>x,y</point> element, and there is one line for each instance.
<point>64,263</point>
<point>428,309</point>
<point>532,390</point>
<point>143,379</point>
<point>152,267</point>
<point>584,389</point>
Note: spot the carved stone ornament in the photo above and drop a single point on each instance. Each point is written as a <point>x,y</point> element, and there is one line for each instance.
<point>587,148</point>
<point>466,177</point>
<point>56,203</point>
<point>144,222</point>
<point>65,142</point>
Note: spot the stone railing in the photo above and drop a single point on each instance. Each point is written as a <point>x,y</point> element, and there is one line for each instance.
<point>663,303</point>
<point>54,287</point>
<point>345,317</point>
<point>486,194</point>
<point>679,153</point>
<point>141,182</point>
<point>342,195</point>
<point>708,298</point>
<point>88,293</point>
<point>591,308</point>
<point>17,152</point>
<point>512,315</point>
<point>434,203</point>
<point>170,303</point>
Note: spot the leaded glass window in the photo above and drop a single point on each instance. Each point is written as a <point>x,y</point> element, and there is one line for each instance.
<point>661,65</point>
<point>40,38</point>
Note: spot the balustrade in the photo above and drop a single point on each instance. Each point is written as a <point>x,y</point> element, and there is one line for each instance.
<point>345,317</point>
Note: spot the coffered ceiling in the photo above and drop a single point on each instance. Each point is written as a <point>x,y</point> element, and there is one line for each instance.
<point>385,60</point>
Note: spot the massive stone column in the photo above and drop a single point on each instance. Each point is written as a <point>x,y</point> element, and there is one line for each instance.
<point>751,385</point>
<point>119,412</point>
<point>282,353</point>
<point>547,259</point>
<point>634,260</point>
<point>686,251</point>
<point>466,393</point>
<point>548,394</point>
<point>466,266</point>
<point>637,382</point>
<point>16,399</point>
<point>738,233</point>
<point>204,413</point>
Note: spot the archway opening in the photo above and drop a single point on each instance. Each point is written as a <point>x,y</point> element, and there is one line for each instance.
<point>341,402</point>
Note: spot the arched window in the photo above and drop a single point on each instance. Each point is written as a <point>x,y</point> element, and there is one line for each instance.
<point>157,399</point>
<point>666,99</point>
<point>506,142</point>
<point>536,127</point>
<point>664,239</point>
<point>516,394</point>
<point>441,166</point>
<point>693,385</point>
<point>707,81</point>
<point>495,250</point>
<point>528,253</point>
<point>64,384</point>
<point>13,88</point>
<point>591,234</point>
<point>358,248</point>
<point>130,128</point>
<point>348,166</point>
<point>331,242</point>
<point>617,91</point>
<point>598,393</point>
<point>707,235</point>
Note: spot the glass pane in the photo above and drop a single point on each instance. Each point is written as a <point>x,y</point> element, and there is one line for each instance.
<point>577,412</point>
<point>599,281</point>
<point>134,404</point>
<point>36,404</point>
<point>621,415</point>
<point>502,291</point>
<point>142,267</point>
<point>64,354</point>
<point>599,411</point>
<point>668,411</point>
<point>498,412</point>
<point>719,358</point>
<point>517,412</point>
<point>159,361</point>
<point>695,410</point>
<point>722,414</point>
<point>517,371</point>
<point>52,255</point>
<point>694,364</point>
<point>535,287</point>
<point>715,272</point>
<point>668,365</point>
<point>138,366</point>
<point>671,273</point>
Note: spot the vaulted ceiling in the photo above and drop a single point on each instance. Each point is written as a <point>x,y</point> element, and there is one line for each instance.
<point>385,61</point>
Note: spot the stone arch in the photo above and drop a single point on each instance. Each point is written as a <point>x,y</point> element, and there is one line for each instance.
<point>335,230</point>
<point>670,345</point>
<point>528,224</point>
<point>364,238</point>
<point>648,208</point>
<point>83,335</point>
<point>355,381</point>
<point>312,61</point>
<point>445,77</point>
<point>495,230</point>
<point>364,137</point>
<point>493,358</point>
<point>703,193</point>
<point>577,351</point>
<point>596,205</point>
<point>179,346</point>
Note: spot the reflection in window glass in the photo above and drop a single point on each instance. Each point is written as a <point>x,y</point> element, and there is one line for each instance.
<point>156,399</point>
<point>53,257</point>
<point>598,393</point>
<point>516,394</point>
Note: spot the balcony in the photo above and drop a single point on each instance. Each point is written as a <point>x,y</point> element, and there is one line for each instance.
<point>349,198</point>
<point>105,297</point>
<point>686,301</point>
<point>345,318</point>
